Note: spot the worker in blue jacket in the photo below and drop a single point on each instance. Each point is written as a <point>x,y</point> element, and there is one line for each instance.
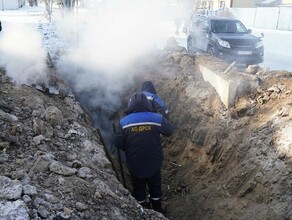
<point>157,103</point>
<point>139,136</point>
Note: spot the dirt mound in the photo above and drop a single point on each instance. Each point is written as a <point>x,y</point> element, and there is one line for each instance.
<point>52,164</point>
<point>228,164</point>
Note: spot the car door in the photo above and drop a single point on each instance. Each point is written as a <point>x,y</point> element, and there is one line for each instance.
<point>193,30</point>
<point>203,34</point>
<point>191,27</point>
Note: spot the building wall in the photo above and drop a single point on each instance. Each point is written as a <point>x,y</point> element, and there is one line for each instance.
<point>213,4</point>
<point>255,3</point>
<point>286,2</point>
<point>10,4</point>
<point>244,3</point>
<point>273,18</point>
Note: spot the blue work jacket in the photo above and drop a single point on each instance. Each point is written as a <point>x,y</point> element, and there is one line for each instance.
<point>139,135</point>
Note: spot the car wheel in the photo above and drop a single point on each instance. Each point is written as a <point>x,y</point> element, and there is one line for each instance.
<point>190,46</point>
<point>212,51</point>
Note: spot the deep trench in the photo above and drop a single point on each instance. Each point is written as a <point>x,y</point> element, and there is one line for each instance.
<point>205,162</point>
<point>105,118</point>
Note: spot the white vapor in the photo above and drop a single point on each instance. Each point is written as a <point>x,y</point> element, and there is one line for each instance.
<point>22,54</point>
<point>95,48</point>
<point>112,35</point>
<point>103,43</point>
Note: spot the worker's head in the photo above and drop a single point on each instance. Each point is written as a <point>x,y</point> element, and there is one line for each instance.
<point>138,103</point>
<point>148,87</point>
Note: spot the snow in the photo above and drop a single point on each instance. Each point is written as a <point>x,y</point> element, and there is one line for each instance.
<point>276,43</point>
<point>26,14</point>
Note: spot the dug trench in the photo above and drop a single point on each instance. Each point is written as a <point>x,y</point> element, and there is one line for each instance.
<point>221,163</point>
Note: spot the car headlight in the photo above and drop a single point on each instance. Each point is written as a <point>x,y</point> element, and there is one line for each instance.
<point>259,44</point>
<point>224,43</point>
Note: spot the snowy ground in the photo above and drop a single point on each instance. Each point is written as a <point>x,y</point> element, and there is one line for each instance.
<point>277,54</point>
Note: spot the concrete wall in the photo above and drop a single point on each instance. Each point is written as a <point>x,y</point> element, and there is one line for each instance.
<point>246,15</point>
<point>266,18</point>
<point>285,19</point>
<point>273,18</point>
<point>10,4</point>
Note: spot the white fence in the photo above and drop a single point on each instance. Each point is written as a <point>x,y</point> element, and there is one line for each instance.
<point>11,4</point>
<point>275,18</point>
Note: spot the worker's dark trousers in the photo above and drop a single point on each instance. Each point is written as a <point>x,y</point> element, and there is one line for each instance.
<point>154,186</point>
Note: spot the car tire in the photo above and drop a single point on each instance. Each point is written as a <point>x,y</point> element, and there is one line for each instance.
<point>190,46</point>
<point>212,51</point>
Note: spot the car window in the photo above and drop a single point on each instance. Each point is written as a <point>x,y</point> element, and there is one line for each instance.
<point>218,26</point>
<point>202,24</point>
<point>240,27</point>
<point>205,24</point>
<point>223,26</point>
<point>198,23</point>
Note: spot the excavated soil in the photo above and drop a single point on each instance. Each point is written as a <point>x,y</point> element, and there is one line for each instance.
<point>226,163</point>
<point>220,163</point>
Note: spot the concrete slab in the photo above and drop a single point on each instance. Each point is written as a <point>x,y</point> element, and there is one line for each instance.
<point>230,86</point>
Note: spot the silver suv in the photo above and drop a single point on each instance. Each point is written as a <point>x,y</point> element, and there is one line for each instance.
<point>227,38</point>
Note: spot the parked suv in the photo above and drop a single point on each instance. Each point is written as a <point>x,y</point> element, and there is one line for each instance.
<point>227,38</point>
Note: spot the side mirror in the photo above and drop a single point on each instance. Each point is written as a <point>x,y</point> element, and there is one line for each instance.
<point>249,31</point>
<point>262,35</point>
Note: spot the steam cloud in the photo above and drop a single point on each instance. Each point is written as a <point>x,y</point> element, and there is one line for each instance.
<point>112,36</point>
<point>102,46</point>
<point>22,54</point>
